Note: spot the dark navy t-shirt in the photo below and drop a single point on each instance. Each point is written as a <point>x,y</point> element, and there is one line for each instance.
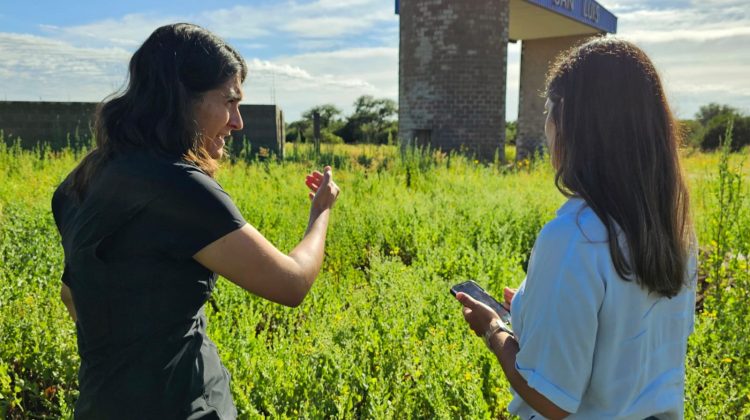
<point>138,292</point>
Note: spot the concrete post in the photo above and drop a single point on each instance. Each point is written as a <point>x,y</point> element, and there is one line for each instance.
<point>536,57</point>
<point>452,66</point>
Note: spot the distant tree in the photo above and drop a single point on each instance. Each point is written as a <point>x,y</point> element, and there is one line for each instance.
<point>708,112</point>
<point>372,120</point>
<point>717,128</point>
<point>711,122</point>
<point>295,131</point>
<point>327,112</point>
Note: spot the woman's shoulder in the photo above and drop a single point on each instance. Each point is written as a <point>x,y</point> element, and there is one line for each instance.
<point>61,201</point>
<point>575,222</point>
<point>160,171</point>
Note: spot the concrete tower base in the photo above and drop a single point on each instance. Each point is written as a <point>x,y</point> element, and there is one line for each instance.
<point>453,59</point>
<point>536,57</point>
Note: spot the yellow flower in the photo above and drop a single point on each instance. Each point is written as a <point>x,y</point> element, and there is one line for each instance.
<point>467,376</point>
<point>727,360</point>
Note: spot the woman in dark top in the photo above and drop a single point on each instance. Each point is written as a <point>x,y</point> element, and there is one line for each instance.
<point>146,231</point>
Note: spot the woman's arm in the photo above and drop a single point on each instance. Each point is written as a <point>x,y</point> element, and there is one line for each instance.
<point>504,346</point>
<point>67,297</point>
<point>249,260</point>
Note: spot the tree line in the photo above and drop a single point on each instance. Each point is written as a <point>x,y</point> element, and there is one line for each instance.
<point>710,125</point>
<point>373,121</point>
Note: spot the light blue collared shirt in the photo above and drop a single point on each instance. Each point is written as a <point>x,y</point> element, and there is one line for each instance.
<point>594,344</point>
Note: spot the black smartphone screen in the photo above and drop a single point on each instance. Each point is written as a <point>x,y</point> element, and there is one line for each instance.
<point>474,290</point>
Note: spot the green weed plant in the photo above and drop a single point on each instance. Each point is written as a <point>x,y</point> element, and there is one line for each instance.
<point>379,335</point>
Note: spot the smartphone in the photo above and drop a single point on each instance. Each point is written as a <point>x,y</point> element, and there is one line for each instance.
<point>474,290</point>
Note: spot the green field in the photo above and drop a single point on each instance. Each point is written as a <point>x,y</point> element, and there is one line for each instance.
<point>379,336</point>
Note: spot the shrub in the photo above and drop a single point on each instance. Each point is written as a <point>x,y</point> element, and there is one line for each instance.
<point>717,127</point>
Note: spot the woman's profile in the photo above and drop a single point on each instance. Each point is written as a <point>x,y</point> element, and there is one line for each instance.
<point>600,324</point>
<point>146,231</point>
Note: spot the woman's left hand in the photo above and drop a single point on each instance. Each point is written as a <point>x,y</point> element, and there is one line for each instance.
<point>323,191</point>
<point>477,314</point>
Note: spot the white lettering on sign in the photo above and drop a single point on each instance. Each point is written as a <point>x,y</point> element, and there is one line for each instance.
<point>591,10</point>
<point>565,4</point>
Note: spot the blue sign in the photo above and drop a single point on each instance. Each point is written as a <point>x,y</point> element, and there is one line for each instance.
<point>588,12</point>
<point>397,8</point>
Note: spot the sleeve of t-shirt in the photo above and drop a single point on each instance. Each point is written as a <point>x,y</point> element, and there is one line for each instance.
<point>561,299</point>
<point>58,204</point>
<point>194,211</point>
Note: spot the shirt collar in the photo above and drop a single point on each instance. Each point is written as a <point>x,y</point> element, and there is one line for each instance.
<point>573,204</point>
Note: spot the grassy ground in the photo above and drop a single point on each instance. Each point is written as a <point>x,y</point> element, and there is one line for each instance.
<point>379,336</point>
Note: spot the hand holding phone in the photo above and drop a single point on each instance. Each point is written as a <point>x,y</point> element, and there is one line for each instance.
<point>474,290</point>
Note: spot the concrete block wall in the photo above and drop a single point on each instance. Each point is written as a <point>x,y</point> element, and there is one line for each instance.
<point>51,122</point>
<point>263,127</point>
<point>536,57</point>
<point>452,66</point>
<point>55,122</point>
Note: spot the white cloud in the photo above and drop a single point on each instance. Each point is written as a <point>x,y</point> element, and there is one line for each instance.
<point>324,19</point>
<point>699,47</point>
<point>699,24</point>
<point>299,82</point>
<point>127,32</point>
<point>305,54</point>
<point>264,69</point>
<point>704,35</point>
<point>36,67</point>
<point>325,27</point>
<point>89,61</point>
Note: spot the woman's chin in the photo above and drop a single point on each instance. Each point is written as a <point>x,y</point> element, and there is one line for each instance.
<point>217,154</point>
<point>217,150</point>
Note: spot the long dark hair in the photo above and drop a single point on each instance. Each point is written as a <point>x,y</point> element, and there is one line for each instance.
<point>168,74</point>
<point>616,146</point>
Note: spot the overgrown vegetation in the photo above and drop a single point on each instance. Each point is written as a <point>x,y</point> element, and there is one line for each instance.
<point>373,121</point>
<point>379,336</point>
<point>711,123</point>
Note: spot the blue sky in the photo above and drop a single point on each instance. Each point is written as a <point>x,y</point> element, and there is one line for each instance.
<point>308,52</point>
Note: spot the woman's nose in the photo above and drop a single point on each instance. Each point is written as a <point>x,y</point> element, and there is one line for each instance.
<point>235,121</point>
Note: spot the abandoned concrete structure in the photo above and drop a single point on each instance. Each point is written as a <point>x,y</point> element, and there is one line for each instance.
<point>61,124</point>
<point>453,64</point>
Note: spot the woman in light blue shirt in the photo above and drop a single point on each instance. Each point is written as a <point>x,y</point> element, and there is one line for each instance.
<point>602,319</point>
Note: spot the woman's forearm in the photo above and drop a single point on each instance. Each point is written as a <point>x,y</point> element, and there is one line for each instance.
<point>505,347</point>
<point>309,252</point>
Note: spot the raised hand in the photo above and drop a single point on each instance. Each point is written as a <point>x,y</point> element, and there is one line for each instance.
<point>323,191</point>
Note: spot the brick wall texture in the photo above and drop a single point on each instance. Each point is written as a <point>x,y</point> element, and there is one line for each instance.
<point>63,123</point>
<point>452,66</point>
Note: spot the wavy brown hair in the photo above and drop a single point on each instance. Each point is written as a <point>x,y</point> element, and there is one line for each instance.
<point>168,75</point>
<point>616,146</point>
